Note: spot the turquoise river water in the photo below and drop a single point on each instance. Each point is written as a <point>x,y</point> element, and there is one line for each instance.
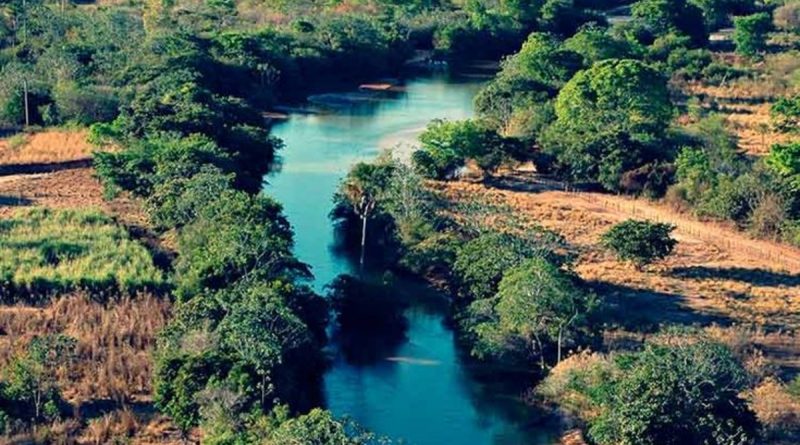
<point>421,389</point>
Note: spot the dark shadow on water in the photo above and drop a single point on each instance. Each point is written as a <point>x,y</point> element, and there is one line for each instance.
<point>370,322</point>
<point>645,310</point>
<point>756,277</point>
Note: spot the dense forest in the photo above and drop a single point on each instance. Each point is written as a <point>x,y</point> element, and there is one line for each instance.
<point>213,324</point>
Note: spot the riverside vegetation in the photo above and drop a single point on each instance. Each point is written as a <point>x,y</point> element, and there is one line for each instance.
<point>611,108</point>
<point>174,92</point>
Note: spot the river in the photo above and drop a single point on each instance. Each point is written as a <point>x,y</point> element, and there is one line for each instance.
<point>419,388</point>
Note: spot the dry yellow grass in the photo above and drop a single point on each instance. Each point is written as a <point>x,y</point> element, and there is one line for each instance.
<point>746,117</point>
<point>716,275</point>
<point>115,340</point>
<point>45,147</point>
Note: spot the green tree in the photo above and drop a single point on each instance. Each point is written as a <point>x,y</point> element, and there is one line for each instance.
<point>481,262</point>
<point>235,236</point>
<point>262,330</point>
<point>364,188</point>
<point>640,242</point>
<point>620,94</point>
<point>594,44</point>
<point>672,16</point>
<point>32,377</point>
<point>537,304</point>
<point>608,119</point>
<point>684,392</point>
<point>750,34</point>
<point>785,114</point>
<point>319,427</point>
<point>716,12</point>
<point>447,145</point>
<point>784,159</point>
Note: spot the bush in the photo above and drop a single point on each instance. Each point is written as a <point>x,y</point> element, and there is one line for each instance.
<point>785,114</point>
<point>787,17</point>
<point>446,146</point>
<point>85,106</point>
<point>481,262</point>
<point>672,16</point>
<point>750,34</point>
<point>685,393</point>
<point>538,306</point>
<point>640,242</point>
<point>234,236</point>
<point>605,125</point>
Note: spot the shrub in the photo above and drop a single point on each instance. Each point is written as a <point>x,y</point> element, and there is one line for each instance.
<point>234,236</point>
<point>785,114</point>
<point>537,306</point>
<point>787,16</point>
<point>683,393</point>
<point>672,16</point>
<point>481,262</point>
<point>750,34</point>
<point>605,125</point>
<point>85,105</point>
<point>640,242</point>
<point>447,145</point>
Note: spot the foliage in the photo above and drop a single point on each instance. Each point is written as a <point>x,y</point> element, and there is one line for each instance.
<point>784,159</point>
<point>31,378</point>
<point>672,16</point>
<point>537,305</point>
<point>319,427</point>
<point>684,393</point>
<point>750,33</point>
<point>447,145</point>
<point>640,242</point>
<point>481,262</point>
<point>716,12</point>
<point>605,124</point>
<point>785,114</point>
<point>45,252</point>
<point>233,237</point>
<point>594,44</point>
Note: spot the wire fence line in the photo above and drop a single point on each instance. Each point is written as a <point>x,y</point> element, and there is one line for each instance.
<point>788,258</point>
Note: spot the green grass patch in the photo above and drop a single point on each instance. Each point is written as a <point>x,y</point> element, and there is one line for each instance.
<point>44,252</point>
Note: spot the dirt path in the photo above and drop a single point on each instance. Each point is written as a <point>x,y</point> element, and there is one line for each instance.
<point>771,255</point>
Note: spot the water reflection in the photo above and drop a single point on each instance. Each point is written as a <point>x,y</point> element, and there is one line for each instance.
<point>401,376</point>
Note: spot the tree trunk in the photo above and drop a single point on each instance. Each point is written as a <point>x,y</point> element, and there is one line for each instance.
<point>363,238</point>
<point>25,94</point>
<point>263,389</point>
<point>560,335</point>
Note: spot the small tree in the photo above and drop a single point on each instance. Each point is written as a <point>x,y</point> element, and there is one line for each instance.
<point>363,188</point>
<point>537,303</point>
<point>640,242</point>
<point>750,34</point>
<point>33,376</point>
<point>785,114</point>
<point>687,392</point>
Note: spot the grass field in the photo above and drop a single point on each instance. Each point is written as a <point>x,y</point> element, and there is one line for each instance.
<point>44,252</point>
<point>45,147</point>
